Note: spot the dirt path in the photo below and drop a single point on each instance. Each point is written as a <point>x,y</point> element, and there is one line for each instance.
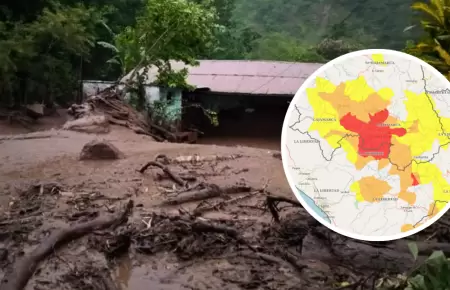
<point>227,239</point>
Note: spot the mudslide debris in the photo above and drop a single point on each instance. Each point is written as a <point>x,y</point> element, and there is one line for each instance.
<point>100,150</point>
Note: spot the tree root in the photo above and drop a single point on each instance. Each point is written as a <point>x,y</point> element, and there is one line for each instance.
<point>176,178</point>
<point>24,268</point>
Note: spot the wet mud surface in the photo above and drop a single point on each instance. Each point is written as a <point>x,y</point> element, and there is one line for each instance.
<point>203,217</point>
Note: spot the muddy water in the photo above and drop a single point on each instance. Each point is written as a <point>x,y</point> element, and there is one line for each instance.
<point>271,143</point>
<point>130,277</point>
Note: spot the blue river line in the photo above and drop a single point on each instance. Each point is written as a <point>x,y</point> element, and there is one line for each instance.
<point>310,202</point>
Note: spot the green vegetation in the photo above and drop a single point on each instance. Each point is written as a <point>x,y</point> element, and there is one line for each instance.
<point>41,59</point>
<point>431,274</point>
<point>46,47</point>
<point>434,46</point>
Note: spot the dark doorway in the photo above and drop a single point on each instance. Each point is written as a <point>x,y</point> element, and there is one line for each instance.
<point>245,120</point>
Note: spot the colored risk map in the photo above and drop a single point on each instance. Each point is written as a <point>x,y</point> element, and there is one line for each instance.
<point>365,145</point>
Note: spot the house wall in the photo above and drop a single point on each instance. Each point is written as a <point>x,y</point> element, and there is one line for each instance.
<point>173,104</point>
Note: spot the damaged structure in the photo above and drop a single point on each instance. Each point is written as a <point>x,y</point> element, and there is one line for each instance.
<point>250,97</point>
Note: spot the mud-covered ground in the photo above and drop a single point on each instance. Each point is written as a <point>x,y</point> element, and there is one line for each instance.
<point>221,223</point>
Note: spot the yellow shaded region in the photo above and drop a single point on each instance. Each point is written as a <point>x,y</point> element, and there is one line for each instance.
<point>362,110</point>
<point>355,189</point>
<point>429,173</point>
<point>359,90</point>
<point>350,148</point>
<point>386,94</point>
<point>378,58</point>
<point>425,128</point>
<point>370,189</point>
<point>324,110</point>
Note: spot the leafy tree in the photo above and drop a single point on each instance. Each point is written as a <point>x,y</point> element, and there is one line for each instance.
<point>233,41</point>
<point>332,48</point>
<point>278,46</point>
<point>374,24</point>
<point>435,45</point>
<point>120,14</point>
<point>176,30</point>
<point>40,58</point>
<point>431,274</point>
<point>165,31</point>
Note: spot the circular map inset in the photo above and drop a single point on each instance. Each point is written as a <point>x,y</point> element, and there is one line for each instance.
<point>365,145</point>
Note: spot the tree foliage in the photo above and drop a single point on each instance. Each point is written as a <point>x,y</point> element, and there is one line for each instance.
<point>47,46</point>
<point>430,274</point>
<point>435,44</point>
<point>40,58</point>
<point>171,30</point>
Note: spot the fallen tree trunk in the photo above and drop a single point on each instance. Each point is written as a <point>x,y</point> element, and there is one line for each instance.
<point>25,268</point>
<point>211,191</point>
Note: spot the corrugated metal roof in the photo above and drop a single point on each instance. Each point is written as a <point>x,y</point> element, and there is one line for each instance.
<point>246,77</point>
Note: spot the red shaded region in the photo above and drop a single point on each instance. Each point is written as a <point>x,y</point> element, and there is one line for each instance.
<point>415,181</point>
<point>374,136</point>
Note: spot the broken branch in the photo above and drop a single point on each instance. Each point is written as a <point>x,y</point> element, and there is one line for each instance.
<point>166,170</point>
<point>211,191</point>
<point>24,268</point>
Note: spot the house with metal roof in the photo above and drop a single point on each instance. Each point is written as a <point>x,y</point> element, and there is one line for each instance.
<point>250,97</point>
<point>244,76</point>
<point>246,94</point>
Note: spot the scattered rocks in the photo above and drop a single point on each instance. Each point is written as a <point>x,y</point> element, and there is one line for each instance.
<point>277,155</point>
<point>100,150</point>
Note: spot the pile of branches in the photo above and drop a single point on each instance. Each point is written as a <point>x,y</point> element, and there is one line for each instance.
<point>111,104</point>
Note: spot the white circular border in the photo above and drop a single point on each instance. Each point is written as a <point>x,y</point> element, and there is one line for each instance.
<point>311,79</point>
